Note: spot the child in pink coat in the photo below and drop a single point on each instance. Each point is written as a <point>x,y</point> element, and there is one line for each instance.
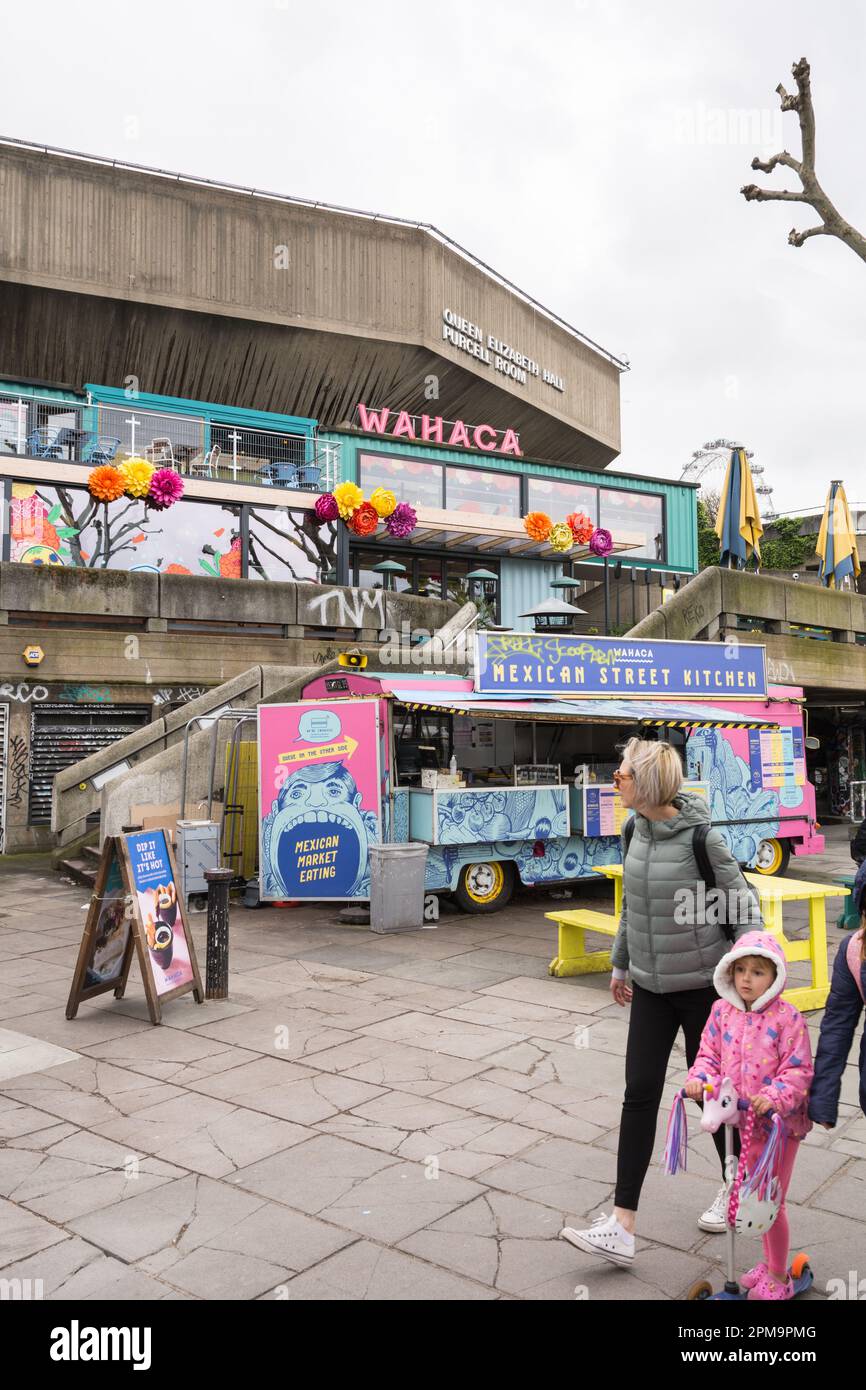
<point>761,1042</point>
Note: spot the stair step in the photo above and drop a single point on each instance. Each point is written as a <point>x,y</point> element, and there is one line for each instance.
<point>79,871</point>
<point>91,853</point>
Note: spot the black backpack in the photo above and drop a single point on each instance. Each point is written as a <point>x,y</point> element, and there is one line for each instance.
<point>702,859</point>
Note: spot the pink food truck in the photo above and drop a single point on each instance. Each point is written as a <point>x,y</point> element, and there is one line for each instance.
<point>507,776</point>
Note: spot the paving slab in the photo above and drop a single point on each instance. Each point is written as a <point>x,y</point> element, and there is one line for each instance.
<point>367,1272</point>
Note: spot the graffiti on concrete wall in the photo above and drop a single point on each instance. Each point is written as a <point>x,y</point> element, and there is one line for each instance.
<point>17,771</point>
<point>23,692</point>
<point>346,608</point>
<point>178,694</point>
<point>84,694</point>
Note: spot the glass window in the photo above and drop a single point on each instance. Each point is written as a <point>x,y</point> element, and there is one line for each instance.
<point>65,526</point>
<point>412,481</point>
<point>368,578</point>
<point>634,515</point>
<point>484,593</point>
<point>560,499</point>
<point>286,544</point>
<point>484,493</point>
<point>429,576</point>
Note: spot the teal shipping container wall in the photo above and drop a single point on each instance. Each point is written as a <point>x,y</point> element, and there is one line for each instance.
<point>680,499</point>
<point>522,585</point>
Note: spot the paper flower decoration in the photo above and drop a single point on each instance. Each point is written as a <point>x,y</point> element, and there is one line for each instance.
<point>106,483</point>
<point>348,497</point>
<point>384,501</point>
<point>402,521</point>
<point>166,488</point>
<point>561,537</point>
<point>326,507</point>
<point>364,520</point>
<point>581,527</point>
<point>136,474</point>
<point>601,542</point>
<point>537,525</point>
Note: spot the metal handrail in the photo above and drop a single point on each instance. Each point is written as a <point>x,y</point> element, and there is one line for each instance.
<point>216,718</point>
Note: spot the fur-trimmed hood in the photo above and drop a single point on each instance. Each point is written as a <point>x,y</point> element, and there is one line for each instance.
<point>754,943</point>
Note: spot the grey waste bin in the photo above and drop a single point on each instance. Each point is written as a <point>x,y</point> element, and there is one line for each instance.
<point>397,886</point>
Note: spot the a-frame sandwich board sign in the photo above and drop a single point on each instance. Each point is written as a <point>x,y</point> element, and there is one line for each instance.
<point>136,908</point>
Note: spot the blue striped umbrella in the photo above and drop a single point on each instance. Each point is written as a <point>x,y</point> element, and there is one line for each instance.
<point>837,543</point>
<point>738,524</point>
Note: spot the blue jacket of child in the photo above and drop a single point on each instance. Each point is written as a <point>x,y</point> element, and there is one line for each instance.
<point>834,1043</point>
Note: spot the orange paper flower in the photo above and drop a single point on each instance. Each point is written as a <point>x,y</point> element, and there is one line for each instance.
<point>364,519</point>
<point>106,484</point>
<point>581,527</point>
<point>537,525</point>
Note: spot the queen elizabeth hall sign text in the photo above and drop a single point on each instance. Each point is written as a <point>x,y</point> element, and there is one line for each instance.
<point>524,664</point>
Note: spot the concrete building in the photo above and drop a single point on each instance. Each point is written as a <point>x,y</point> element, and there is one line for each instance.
<point>266,349</point>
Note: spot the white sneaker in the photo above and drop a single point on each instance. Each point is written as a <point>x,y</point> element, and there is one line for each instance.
<point>605,1237</point>
<point>715,1218</point>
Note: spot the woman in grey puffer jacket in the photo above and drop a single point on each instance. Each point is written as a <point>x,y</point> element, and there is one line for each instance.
<point>669,942</point>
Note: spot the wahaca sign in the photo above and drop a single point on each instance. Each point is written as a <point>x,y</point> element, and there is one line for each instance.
<point>432,429</point>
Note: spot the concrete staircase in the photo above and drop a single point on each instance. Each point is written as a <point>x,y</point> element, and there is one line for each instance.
<point>83,867</point>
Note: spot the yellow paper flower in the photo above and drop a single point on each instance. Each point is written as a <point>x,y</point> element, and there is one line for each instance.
<point>383,500</point>
<point>561,537</point>
<point>348,497</point>
<point>136,474</point>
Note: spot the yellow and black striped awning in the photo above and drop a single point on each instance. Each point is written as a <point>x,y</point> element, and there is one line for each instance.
<point>659,714</point>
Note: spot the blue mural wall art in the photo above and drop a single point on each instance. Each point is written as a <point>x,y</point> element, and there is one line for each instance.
<point>534,813</point>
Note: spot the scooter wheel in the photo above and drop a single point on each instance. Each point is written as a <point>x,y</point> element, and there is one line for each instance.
<point>799,1264</point>
<point>702,1289</point>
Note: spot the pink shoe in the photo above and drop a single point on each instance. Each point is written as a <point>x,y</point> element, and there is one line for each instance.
<point>767,1289</point>
<point>751,1277</point>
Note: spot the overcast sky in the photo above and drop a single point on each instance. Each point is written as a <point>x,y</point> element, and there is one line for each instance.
<point>590,150</point>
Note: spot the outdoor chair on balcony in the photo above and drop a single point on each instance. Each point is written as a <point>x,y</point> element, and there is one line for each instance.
<point>160,452</point>
<point>204,465</point>
<point>308,476</point>
<point>100,449</point>
<point>42,443</point>
<point>282,473</point>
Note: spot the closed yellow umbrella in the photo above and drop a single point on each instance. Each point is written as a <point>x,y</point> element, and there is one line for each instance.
<point>837,543</point>
<point>738,524</point>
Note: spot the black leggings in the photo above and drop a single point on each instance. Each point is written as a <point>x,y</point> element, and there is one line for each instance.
<point>653,1026</point>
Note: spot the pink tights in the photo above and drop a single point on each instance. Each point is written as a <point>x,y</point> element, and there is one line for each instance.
<point>777,1240</point>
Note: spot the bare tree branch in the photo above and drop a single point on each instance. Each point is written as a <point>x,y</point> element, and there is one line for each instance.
<point>767,167</point>
<point>753,194</point>
<point>832,221</point>
<point>796,238</point>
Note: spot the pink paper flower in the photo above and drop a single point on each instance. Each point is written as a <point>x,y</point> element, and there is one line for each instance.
<point>326,507</point>
<point>402,521</point>
<point>601,541</point>
<point>166,488</point>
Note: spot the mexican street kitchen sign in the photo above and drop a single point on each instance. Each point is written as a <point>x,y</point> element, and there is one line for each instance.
<point>522,663</point>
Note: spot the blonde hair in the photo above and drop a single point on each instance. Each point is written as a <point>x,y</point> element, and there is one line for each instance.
<point>657,771</point>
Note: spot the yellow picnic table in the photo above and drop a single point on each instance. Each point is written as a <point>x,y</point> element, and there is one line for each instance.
<point>572,958</point>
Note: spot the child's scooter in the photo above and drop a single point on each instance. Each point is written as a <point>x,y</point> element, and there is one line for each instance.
<point>753,1202</point>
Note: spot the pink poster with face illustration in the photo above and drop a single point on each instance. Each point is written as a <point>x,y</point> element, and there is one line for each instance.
<point>320,799</point>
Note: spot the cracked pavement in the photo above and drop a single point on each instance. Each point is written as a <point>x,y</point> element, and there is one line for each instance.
<point>366,1117</point>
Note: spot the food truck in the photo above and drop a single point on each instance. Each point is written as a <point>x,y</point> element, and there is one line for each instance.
<point>507,775</point>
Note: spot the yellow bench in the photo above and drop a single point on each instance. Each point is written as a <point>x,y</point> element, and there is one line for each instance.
<point>572,957</point>
<point>773,893</point>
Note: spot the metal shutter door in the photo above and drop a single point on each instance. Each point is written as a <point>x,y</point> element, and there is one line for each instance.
<point>64,734</point>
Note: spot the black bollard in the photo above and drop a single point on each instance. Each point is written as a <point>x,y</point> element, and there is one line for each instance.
<point>217,975</point>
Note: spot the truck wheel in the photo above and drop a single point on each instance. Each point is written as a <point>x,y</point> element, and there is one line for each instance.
<point>484,887</point>
<point>773,857</point>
